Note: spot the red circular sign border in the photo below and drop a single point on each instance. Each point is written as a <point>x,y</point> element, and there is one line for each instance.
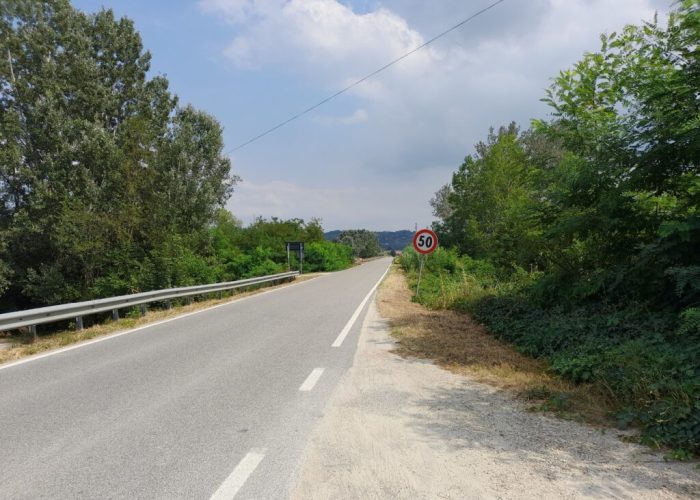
<point>431,233</point>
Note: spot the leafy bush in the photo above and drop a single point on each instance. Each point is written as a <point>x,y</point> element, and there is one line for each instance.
<point>327,256</point>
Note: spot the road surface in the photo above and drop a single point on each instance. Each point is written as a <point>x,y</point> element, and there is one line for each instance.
<point>210,405</point>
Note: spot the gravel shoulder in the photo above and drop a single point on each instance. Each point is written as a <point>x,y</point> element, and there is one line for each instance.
<point>400,427</point>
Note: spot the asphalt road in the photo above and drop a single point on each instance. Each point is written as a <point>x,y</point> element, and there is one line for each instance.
<point>205,406</point>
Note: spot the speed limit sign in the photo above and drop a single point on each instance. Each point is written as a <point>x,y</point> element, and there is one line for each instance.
<point>425,241</point>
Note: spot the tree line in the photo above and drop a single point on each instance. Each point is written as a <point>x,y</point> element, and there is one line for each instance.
<point>578,238</point>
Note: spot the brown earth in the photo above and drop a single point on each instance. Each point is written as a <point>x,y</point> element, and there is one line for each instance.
<point>457,343</point>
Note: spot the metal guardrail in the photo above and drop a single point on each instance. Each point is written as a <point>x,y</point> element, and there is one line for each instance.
<point>76,310</point>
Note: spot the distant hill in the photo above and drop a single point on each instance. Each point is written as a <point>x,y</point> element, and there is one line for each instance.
<point>390,240</point>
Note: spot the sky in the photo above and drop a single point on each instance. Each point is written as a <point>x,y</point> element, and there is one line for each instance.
<point>373,157</point>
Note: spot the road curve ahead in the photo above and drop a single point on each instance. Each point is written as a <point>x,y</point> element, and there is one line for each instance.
<point>212,405</point>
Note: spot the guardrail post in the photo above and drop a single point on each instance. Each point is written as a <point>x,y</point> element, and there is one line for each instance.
<point>32,330</point>
<point>115,314</point>
<point>143,309</point>
<point>79,323</point>
<point>168,304</point>
<point>188,300</point>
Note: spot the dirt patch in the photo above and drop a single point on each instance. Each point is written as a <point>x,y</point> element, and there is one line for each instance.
<point>21,345</point>
<point>458,343</point>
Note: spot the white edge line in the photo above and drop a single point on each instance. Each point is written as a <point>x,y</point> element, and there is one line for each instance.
<point>346,329</point>
<point>311,380</point>
<point>235,481</point>
<point>149,325</point>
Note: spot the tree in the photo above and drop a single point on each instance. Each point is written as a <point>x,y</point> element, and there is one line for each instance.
<point>490,208</point>
<point>605,196</point>
<point>630,199</point>
<point>364,243</point>
<point>442,208</point>
<point>99,168</point>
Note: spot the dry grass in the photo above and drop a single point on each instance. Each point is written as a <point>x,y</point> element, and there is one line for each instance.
<point>457,343</point>
<point>22,345</point>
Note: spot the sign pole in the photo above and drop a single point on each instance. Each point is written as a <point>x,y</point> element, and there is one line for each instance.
<point>298,247</point>
<point>420,273</point>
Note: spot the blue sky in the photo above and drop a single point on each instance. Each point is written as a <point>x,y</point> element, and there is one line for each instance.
<point>373,157</point>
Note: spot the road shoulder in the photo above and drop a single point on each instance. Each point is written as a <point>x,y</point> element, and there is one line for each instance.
<point>405,428</point>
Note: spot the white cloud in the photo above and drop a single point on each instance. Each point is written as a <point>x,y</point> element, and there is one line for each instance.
<point>446,92</point>
<point>426,111</point>
<point>374,205</point>
<point>273,199</point>
<point>323,39</point>
<point>358,116</point>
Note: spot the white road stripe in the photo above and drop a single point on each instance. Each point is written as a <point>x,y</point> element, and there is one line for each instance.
<point>235,481</point>
<point>311,380</point>
<point>102,338</point>
<point>346,329</point>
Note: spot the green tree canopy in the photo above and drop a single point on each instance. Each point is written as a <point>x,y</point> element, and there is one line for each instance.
<point>630,114</point>
<point>99,167</point>
<point>490,210</point>
<point>364,243</point>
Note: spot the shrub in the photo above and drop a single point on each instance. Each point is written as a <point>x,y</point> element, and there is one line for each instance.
<point>327,256</point>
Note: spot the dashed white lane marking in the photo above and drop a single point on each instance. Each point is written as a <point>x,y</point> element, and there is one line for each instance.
<point>311,380</point>
<point>235,481</point>
<point>346,329</point>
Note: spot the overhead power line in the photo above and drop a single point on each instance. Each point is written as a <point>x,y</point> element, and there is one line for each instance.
<point>386,66</point>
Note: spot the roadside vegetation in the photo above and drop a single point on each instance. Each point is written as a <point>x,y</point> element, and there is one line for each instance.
<point>577,240</point>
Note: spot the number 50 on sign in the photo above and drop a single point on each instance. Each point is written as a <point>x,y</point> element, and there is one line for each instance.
<point>425,241</point>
